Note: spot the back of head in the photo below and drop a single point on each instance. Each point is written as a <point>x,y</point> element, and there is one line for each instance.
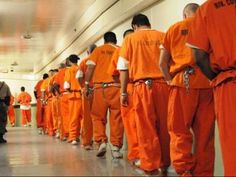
<point>62,65</point>
<point>190,10</point>
<point>110,37</point>
<point>127,32</point>
<point>73,58</point>
<point>91,48</point>
<point>45,76</point>
<point>140,20</point>
<point>22,89</point>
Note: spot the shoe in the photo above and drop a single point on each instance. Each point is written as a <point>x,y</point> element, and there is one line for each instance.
<point>74,142</point>
<point>137,163</point>
<point>25,125</point>
<point>187,174</point>
<point>152,173</point>
<point>163,171</point>
<point>29,125</point>
<point>3,141</point>
<point>102,150</point>
<point>13,125</point>
<point>40,132</point>
<point>57,135</point>
<point>115,152</point>
<point>88,147</point>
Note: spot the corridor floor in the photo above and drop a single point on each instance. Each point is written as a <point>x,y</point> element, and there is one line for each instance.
<point>30,154</point>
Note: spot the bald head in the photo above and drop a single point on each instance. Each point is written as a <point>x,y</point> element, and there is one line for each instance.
<point>190,10</point>
<point>91,48</point>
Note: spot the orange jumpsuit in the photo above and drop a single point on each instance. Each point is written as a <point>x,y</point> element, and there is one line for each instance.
<point>40,110</point>
<point>189,108</point>
<point>106,97</point>
<point>55,105</point>
<point>11,112</point>
<point>24,99</point>
<point>63,104</point>
<point>127,112</point>
<point>150,97</point>
<point>213,31</point>
<point>48,120</point>
<point>87,124</point>
<point>75,102</point>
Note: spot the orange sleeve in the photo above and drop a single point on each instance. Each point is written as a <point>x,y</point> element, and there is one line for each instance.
<point>167,40</point>
<point>125,50</point>
<point>198,36</point>
<point>112,71</point>
<point>94,56</point>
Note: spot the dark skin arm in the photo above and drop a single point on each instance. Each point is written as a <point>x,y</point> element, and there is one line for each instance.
<point>88,77</point>
<point>202,60</point>
<point>124,79</point>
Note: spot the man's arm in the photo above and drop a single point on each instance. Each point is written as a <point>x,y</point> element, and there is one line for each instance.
<point>124,79</point>
<point>88,77</point>
<point>202,60</point>
<point>164,65</point>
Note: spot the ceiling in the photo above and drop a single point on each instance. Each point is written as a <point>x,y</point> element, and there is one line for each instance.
<point>31,31</point>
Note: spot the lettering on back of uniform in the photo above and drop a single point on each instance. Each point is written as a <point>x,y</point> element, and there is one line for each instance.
<point>224,3</point>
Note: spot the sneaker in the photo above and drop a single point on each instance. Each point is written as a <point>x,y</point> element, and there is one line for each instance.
<point>25,125</point>
<point>187,174</point>
<point>40,131</point>
<point>3,141</point>
<point>163,171</point>
<point>57,135</point>
<point>88,147</point>
<point>102,150</point>
<point>13,125</point>
<point>74,142</point>
<point>137,163</point>
<point>115,152</point>
<point>29,125</point>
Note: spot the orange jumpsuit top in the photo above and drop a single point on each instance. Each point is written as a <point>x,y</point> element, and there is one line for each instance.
<point>213,31</point>
<point>82,70</point>
<point>24,99</point>
<point>181,56</point>
<point>113,65</point>
<point>37,88</point>
<point>59,79</point>
<point>143,63</point>
<point>71,81</point>
<point>101,57</point>
<point>45,88</point>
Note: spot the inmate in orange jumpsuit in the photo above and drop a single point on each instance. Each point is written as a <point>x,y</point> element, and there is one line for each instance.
<point>150,98</point>
<point>24,99</point>
<point>40,110</point>
<point>87,124</point>
<point>63,104</point>
<point>127,112</point>
<point>55,105</point>
<point>189,109</point>
<point>213,31</point>
<point>75,102</point>
<point>48,120</point>
<point>11,112</point>
<point>106,97</point>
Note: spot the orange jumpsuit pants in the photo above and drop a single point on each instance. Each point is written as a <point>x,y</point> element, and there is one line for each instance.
<point>64,112</point>
<point>225,101</point>
<point>48,118</point>
<point>56,113</point>
<point>192,111</point>
<point>11,115</point>
<point>150,104</point>
<point>105,99</point>
<point>25,116</point>
<point>87,124</point>
<point>75,107</point>
<point>130,126</point>
<point>39,114</point>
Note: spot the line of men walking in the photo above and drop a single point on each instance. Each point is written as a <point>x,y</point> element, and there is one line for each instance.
<point>150,87</point>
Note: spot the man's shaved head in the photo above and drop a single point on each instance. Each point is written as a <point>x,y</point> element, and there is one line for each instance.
<point>190,10</point>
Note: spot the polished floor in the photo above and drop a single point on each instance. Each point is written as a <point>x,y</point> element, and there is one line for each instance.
<point>30,154</point>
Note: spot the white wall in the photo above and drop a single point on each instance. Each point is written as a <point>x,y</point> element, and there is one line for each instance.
<point>16,84</point>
